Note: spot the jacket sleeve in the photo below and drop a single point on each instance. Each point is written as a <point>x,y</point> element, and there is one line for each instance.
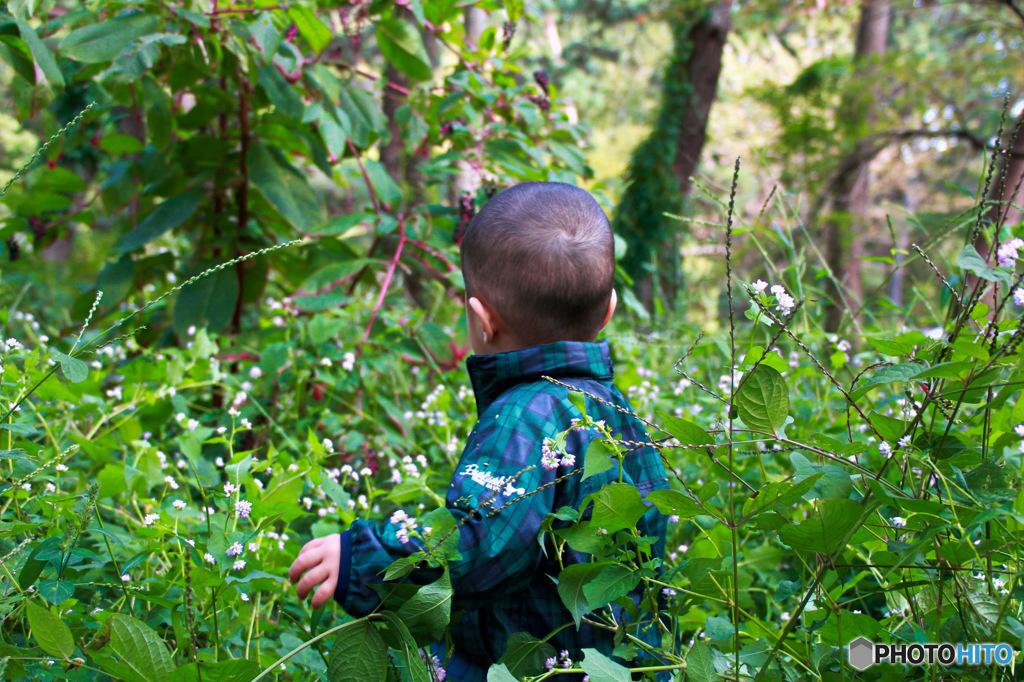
<point>497,496</point>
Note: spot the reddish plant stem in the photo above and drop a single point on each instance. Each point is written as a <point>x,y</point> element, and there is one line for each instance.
<point>433,252</point>
<point>243,10</point>
<point>366,177</point>
<point>385,285</point>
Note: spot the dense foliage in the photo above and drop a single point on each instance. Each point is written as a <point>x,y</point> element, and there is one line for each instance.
<point>274,349</point>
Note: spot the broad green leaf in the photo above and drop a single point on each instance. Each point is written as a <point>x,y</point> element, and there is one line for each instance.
<point>525,655</point>
<point>170,213</point>
<point>284,188</point>
<point>358,654</point>
<point>603,669</point>
<point>685,431</point>
<point>674,503</point>
<point>364,113</point>
<point>617,506</point>
<point>15,52</point>
<point>571,582</point>
<point>719,627</point>
<point>888,375</point>
<point>611,583</point>
<point>499,673</point>
<point>119,143</point>
<point>232,670</point>
<point>105,40</point>
<point>387,191</point>
<point>401,44</point>
<point>42,55</point>
<point>890,347</point>
<point>398,637</point>
<point>141,654</point>
<point>310,27</point>
<point>827,528</point>
<point>600,457</point>
<point>208,302</point>
<point>56,591</point>
<point>74,369</point>
<point>282,95</point>
<point>835,483</point>
<point>778,496</point>
<point>699,664</point>
<point>763,400</point>
<point>578,400</point>
<point>970,260</point>
<point>428,612</point>
<point>50,632</point>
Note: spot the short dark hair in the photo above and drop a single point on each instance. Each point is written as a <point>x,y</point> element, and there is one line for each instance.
<point>543,255</point>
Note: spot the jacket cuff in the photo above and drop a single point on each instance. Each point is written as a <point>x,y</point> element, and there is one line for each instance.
<point>344,568</point>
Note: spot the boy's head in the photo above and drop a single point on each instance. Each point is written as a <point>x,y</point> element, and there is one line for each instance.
<point>539,262</point>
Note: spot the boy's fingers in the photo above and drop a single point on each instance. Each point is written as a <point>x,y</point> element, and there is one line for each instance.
<point>303,562</point>
<point>324,593</point>
<point>311,580</point>
<point>312,544</point>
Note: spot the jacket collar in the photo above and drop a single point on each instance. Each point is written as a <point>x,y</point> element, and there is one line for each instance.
<point>492,375</point>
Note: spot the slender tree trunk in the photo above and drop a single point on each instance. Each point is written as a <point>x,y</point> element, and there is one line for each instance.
<point>662,165</point>
<point>846,225</point>
<point>467,180</point>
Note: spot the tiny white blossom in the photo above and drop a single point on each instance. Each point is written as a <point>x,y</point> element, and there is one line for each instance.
<point>234,550</point>
<point>179,504</point>
<point>238,565</point>
<point>760,285</point>
<point>899,521</point>
<point>243,508</point>
<point>209,558</point>
<point>255,372</point>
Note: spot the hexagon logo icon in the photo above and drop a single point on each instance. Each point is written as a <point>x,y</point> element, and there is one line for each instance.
<point>862,653</point>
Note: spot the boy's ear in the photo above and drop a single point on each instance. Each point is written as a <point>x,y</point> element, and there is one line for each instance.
<point>611,308</point>
<point>484,313</point>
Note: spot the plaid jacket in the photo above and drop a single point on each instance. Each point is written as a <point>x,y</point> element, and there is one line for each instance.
<point>502,581</point>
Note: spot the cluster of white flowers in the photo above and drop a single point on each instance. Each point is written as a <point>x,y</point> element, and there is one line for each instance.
<point>1018,296</point>
<point>1006,254</point>
<point>243,509</point>
<point>551,457</point>
<point>150,519</point>
<point>784,303</point>
<point>563,660</point>
<point>348,363</point>
<point>405,524</point>
<point>179,504</point>
<point>26,317</point>
<point>681,386</point>
<point>235,549</point>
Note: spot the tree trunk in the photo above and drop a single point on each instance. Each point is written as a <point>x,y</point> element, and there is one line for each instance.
<point>467,180</point>
<point>661,166</point>
<point>846,225</point>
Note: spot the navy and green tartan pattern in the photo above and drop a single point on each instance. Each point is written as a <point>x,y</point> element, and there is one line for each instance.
<point>504,580</point>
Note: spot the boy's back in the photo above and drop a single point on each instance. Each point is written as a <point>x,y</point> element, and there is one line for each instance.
<point>504,582</point>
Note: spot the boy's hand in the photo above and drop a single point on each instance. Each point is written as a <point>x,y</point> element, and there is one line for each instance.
<point>320,557</point>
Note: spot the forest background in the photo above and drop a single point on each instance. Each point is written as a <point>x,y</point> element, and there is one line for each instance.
<point>232,320</point>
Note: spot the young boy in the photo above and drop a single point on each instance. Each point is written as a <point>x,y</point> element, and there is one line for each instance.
<point>539,266</point>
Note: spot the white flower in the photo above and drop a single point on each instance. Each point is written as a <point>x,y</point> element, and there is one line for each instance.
<point>366,471</point>
<point>293,467</point>
<point>760,285</point>
<point>61,467</point>
<point>126,578</point>
<point>328,445</point>
<point>326,362</point>
<point>233,412</point>
<point>169,480</point>
<point>179,504</point>
<point>191,331</point>
<point>209,558</point>
<point>884,448</point>
<point>1018,296</point>
<point>243,508</point>
<point>230,488</point>
<point>246,424</point>
<point>568,460</point>
<point>192,424</point>
<point>243,596</point>
<point>180,416</point>
<point>234,550</point>
<point>668,592</point>
<point>904,441</point>
<point>238,565</point>
<point>1019,430</point>
<point>899,521</point>
<point>190,542</point>
<point>255,372</point>
<point>50,487</point>
<point>253,546</point>
<point>549,454</point>
<point>150,519</point>
<point>349,362</point>
<point>1006,254</point>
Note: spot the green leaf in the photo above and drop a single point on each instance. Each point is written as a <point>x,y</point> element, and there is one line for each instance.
<point>763,400</point>
<point>699,664</point>
<point>56,591</point>
<point>499,673</point>
<point>233,670</point>
<point>47,64</point>
<point>282,95</point>
<point>50,632</point>
<point>571,582</point>
<point>617,506</point>
<point>718,627</point>
<point>603,669</point>
<point>310,27</point>
<point>358,654</point>
<point>104,41</point>
<point>600,457</point>
<point>611,583</point>
<point>686,432</point>
<point>888,375</point>
<point>778,496</point>
<point>827,529</point>
<point>141,655</point>
<point>16,53</point>
<point>169,214</point>
<point>525,655</point>
<point>970,260</point>
<point>835,483</point>
<point>208,302</point>
<point>119,143</point>
<point>893,348</point>
<point>674,503</point>
<point>385,188</point>
<point>284,188</point>
<point>428,612</point>
<point>401,44</point>
<point>74,369</point>
<point>399,637</point>
<point>579,401</point>
<point>367,119</point>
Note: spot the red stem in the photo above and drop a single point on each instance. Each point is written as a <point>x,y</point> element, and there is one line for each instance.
<point>387,283</point>
<point>366,177</point>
